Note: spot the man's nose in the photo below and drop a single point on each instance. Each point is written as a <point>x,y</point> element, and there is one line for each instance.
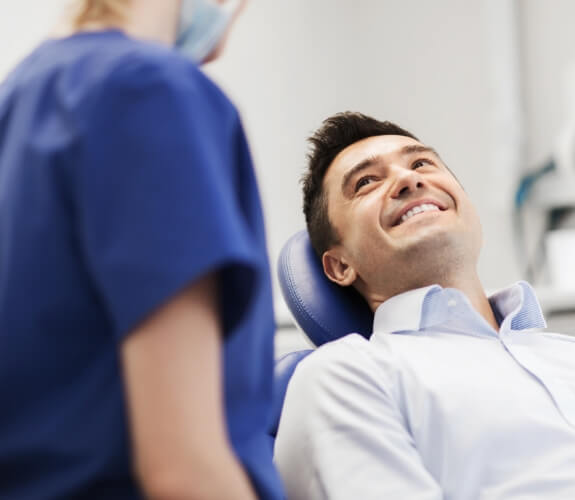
<point>406,182</point>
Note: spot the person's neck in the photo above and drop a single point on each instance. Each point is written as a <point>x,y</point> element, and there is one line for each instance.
<point>159,24</point>
<point>474,291</point>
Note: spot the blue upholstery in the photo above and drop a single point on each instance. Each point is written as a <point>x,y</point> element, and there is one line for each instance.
<point>322,309</point>
<point>283,371</point>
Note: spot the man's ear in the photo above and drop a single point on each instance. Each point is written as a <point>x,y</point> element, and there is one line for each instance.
<point>336,267</point>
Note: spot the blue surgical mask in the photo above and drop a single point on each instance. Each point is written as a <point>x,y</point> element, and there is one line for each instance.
<point>203,24</point>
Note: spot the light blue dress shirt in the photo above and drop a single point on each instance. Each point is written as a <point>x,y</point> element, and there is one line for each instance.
<point>435,405</point>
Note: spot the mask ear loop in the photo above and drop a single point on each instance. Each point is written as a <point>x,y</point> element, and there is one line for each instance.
<point>203,23</point>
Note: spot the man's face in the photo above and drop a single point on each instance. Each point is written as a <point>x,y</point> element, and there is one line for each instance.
<point>401,216</point>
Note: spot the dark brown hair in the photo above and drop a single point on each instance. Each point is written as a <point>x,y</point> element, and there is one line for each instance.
<point>335,134</point>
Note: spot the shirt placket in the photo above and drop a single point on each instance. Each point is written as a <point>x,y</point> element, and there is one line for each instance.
<point>561,394</point>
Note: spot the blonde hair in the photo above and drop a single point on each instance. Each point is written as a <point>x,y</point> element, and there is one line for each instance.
<point>100,12</point>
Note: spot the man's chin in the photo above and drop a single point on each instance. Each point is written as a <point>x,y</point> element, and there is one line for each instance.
<point>428,237</point>
<point>433,246</point>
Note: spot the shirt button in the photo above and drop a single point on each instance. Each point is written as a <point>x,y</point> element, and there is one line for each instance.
<point>451,302</point>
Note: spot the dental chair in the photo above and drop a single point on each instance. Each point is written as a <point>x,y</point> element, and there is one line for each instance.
<point>323,310</point>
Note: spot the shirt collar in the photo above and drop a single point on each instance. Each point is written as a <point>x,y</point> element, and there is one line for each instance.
<point>516,306</point>
<point>519,307</point>
<point>402,312</point>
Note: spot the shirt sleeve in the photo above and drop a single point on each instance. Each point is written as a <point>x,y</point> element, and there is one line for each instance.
<point>157,200</point>
<point>342,436</point>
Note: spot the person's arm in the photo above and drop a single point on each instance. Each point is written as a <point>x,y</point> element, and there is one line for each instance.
<point>342,434</point>
<point>172,369</point>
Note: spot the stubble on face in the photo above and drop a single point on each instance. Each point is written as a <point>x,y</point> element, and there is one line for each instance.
<point>422,251</point>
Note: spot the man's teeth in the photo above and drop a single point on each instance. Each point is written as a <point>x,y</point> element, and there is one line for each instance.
<point>426,207</point>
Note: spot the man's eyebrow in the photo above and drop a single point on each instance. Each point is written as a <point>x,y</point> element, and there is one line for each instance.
<point>368,162</point>
<point>362,165</point>
<point>417,148</point>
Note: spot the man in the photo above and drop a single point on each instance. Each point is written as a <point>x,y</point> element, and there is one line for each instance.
<point>455,395</point>
<point>136,322</point>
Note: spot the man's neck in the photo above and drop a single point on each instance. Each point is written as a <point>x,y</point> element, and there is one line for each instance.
<point>476,294</point>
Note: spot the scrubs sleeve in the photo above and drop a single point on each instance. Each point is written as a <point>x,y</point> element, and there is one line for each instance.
<point>157,203</point>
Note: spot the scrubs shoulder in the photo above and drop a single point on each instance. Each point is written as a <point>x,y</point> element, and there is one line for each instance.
<point>124,176</point>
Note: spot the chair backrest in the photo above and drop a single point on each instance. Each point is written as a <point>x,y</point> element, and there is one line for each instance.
<point>322,309</point>
<point>284,368</point>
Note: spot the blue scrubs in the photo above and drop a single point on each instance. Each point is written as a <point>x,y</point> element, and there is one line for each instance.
<point>124,176</point>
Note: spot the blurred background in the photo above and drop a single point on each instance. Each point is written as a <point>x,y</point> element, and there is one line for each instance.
<point>489,83</point>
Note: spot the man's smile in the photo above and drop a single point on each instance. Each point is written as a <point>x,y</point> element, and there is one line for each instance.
<point>415,208</point>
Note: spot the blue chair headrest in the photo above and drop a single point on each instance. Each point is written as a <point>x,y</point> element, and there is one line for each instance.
<point>323,310</point>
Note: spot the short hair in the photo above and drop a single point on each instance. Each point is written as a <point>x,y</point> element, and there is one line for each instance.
<point>335,134</point>
<point>109,12</point>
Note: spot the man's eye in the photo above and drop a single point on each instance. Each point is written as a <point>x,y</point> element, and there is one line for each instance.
<point>420,163</point>
<point>364,181</point>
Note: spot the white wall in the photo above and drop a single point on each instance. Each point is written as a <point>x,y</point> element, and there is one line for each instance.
<point>421,64</point>
<point>549,47</point>
<point>427,65</point>
<point>22,24</point>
